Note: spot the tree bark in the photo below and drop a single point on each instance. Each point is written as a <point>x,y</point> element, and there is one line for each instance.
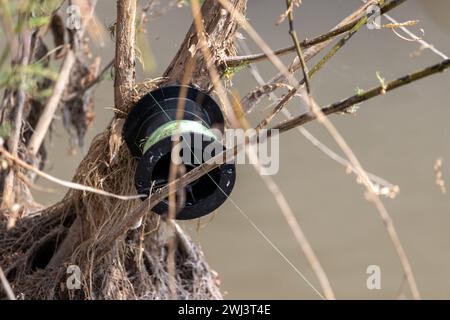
<point>125,52</point>
<point>220,30</point>
<point>134,265</point>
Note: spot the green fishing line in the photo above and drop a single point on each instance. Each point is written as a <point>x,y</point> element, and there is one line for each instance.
<point>179,127</point>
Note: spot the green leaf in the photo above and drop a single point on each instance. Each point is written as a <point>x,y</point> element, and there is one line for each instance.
<point>5,130</point>
<point>36,22</point>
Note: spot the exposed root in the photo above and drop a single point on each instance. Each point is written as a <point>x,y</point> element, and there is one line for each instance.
<point>134,268</point>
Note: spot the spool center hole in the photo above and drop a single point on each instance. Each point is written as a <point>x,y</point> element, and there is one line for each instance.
<point>195,191</point>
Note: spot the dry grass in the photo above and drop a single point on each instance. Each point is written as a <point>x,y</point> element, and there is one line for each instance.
<point>135,268</point>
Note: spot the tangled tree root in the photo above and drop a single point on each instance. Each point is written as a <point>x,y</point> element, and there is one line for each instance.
<point>77,231</point>
<point>135,267</point>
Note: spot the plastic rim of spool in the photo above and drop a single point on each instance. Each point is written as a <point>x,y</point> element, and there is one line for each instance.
<point>148,132</point>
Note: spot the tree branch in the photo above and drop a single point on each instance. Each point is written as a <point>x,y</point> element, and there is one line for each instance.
<point>8,198</point>
<point>220,29</point>
<point>298,48</point>
<point>125,59</point>
<point>284,101</point>
<point>366,95</point>
<point>229,155</point>
<point>237,61</point>
<point>63,78</point>
<point>320,43</point>
<point>47,114</point>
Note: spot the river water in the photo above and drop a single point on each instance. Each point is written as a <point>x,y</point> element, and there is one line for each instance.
<point>398,137</point>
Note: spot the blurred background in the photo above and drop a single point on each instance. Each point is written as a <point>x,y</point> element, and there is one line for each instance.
<point>398,137</point>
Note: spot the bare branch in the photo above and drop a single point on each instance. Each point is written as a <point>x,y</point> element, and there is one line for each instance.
<point>213,163</point>
<point>125,52</point>
<point>13,142</point>
<point>6,286</point>
<point>47,114</point>
<point>60,85</point>
<point>366,95</point>
<point>345,25</point>
<point>383,187</point>
<point>220,29</point>
<point>64,183</point>
<point>298,48</point>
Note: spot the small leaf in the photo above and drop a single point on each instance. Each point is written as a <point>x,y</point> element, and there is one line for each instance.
<point>5,130</point>
<point>36,22</point>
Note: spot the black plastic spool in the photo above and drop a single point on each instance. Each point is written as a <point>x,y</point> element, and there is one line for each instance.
<point>155,110</point>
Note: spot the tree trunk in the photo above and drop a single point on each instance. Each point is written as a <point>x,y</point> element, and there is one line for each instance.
<point>35,253</point>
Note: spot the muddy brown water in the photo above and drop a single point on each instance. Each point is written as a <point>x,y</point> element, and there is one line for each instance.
<point>398,137</point>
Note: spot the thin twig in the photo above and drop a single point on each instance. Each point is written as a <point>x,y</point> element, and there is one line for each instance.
<point>440,182</point>
<point>34,186</point>
<point>279,197</point>
<point>338,46</point>
<point>298,48</point>
<point>422,42</point>
<point>237,61</point>
<point>229,154</point>
<point>174,173</point>
<point>293,223</point>
<point>249,101</point>
<point>384,187</point>
<point>371,196</point>
<point>366,95</point>
<point>100,75</point>
<point>273,187</point>
<point>206,167</point>
<point>340,141</point>
<point>194,175</point>
<point>92,83</point>
<point>213,73</point>
<point>67,184</point>
<point>284,101</point>
<point>52,104</point>
<point>13,142</point>
<point>297,231</point>
<point>6,286</point>
<point>50,108</point>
